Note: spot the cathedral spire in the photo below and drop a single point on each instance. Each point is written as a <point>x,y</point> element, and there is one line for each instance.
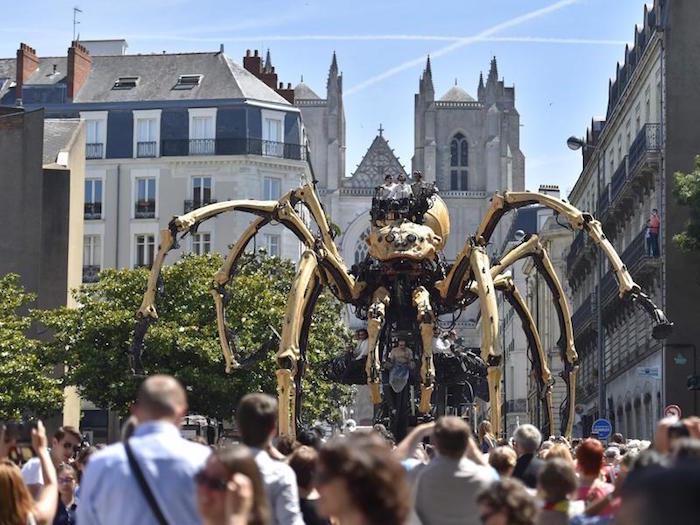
<point>480,90</point>
<point>267,68</point>
<point>334,65</point>
<point>493,72</point>
<point>428,70</point>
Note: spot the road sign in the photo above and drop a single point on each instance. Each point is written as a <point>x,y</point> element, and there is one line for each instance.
<point>672,410</point>
<point>603,428</point>
<point>652,372</point>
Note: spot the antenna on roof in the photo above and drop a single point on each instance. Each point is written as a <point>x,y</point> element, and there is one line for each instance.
<point>76,10</point>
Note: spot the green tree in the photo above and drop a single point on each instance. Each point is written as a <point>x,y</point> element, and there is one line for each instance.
<point>27,385</point>
<point>687,193</point>
<point>93,340</point>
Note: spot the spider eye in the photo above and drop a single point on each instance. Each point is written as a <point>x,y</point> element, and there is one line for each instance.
<point>380,238</point>
<point>390,237</point>
<point>411,237</point>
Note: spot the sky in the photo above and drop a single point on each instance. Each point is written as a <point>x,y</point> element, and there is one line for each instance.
<point>559,55</point>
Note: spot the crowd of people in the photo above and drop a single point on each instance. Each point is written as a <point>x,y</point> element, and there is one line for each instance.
<point>440,474</point>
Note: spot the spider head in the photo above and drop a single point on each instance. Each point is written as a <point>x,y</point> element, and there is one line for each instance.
<point>403,239</point>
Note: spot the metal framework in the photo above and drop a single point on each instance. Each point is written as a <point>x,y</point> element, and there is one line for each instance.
<point>404,276</point>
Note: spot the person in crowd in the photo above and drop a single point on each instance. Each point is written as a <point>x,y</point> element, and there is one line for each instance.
<point>503,459</point>
<point>286,444</point>
<point>440,343</point>
<point>67,504</point>
<point>487,440</point>
<point>560,450</point>
<point>654,225</point>
<point>304,463</point>
<point>506,502</point>
<point>65,443</point>
<point>611,463</point>
<point>618,438</point>
<point>82,461</point>
<point>446,488</point>
<point>257,421</point>
<point>526,441</point>
<point>230,489</point>
<point>401,190</point>
<point>309,438</point>
<point>360,482</point>
<point>544,448</point>
<point>556,483</point>
<point>111,492</point>
<point>386,189</point>
<point>400,364</point>
<point>360,350</point>
<point>589,462</point>
<point>16,503</point>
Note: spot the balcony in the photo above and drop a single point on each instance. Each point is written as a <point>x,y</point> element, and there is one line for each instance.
<point>91,273</point>
<point>93,211</point>
<point>232,146</point>
<point>191,205</point>
<point>646,144</point>
<point>583,316</point>
<point>94,150</point>
<point>145,210</point>
<point>146,149</point>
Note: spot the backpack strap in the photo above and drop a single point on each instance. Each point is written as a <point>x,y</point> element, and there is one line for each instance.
<point>143,484</point>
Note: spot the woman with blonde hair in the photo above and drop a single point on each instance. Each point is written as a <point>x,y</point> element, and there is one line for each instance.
<point>16,504</point>
<point>559,450</point>
<point>487,440</point>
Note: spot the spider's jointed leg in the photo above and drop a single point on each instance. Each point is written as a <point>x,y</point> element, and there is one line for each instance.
<point>288,354</point>
<point>375,321</point>
<point>426,318</point>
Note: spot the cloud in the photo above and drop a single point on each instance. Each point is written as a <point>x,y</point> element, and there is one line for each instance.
<point>462,42</point>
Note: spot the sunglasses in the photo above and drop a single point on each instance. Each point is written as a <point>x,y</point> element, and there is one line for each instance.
<point>66,480</point>
<point>203,479</point>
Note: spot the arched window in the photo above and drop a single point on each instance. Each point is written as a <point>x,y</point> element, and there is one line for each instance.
<point>459,162</point>
<point>361,247</point>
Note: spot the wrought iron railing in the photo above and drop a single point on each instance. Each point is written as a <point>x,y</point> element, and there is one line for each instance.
<point>146,149</point>
<point>192,204</point>
<point>233,146</point>
<point>618,179</point>
<point>93,211</point>
<point>576,247</point>
<point>94,150</point>
<point>145,209</point>
<point>603,201</point>
<point>647,140</point>
<point>91,273</point>
<point>582,315</point>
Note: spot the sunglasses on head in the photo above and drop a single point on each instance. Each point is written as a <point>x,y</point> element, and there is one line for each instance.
<point>203,479</point>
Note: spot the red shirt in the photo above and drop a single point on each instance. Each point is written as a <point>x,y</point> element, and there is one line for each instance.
<point>654,223</point>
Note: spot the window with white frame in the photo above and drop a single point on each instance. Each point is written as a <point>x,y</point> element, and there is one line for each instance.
<point>272,244</point>
<point>272,133</point>
<point>201,243</point>
<point>272,188</point>
<point>201,191</point>
<point>202,131</point>
<point>93,199</point>
<point>95,134</point>
<point>146,137</point>
<point>92,258</point>
<point>145,250</point>
<point>92,252</point>
<point>145,207</point>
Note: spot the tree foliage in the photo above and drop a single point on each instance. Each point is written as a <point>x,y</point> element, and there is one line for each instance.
<point>27,383</point>
<point>687,193</point>
<point>93,340</point>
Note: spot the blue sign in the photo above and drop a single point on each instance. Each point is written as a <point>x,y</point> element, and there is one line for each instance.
<point>603,428</point>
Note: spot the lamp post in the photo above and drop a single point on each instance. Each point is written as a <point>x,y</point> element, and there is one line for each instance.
<point>575,143</point>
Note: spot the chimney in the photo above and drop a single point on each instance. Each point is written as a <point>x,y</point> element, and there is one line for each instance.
<point>550,189</point>
<point>253,63</point>
<point>79,64</point>
<point>27,63</point>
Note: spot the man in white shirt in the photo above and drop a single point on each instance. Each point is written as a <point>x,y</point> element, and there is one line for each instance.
<point>401,190</point>
<point>110,493</point>
<point>65,443</point>
<point>360,351</point>
<point>440,343</point>
<point>257,422</point>
<point>386,189</point>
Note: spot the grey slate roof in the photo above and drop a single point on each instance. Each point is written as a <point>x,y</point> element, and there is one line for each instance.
<point>58,136</point>
<point>158,73</point>
<point>456,94</point>
<point>378,162</point>
<point>304,92</point>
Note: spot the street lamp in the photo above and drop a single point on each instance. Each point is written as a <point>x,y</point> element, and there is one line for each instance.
<point>575,143</point>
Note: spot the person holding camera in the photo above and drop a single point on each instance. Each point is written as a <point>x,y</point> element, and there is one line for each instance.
<point>16,502</point>
<point>64,445</point>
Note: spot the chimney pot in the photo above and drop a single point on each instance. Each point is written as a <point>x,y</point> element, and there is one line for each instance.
<point>289,85</point>
<point>255,53</point>
<point>247,52</point>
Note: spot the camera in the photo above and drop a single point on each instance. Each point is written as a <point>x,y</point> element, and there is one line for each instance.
<point>19,431</point>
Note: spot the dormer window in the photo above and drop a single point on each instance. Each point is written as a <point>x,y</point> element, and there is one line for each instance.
<point>188,81</point>
<point>126,83</point>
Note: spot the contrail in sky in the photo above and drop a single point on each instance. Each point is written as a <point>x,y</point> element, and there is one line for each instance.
<point>462,42</point>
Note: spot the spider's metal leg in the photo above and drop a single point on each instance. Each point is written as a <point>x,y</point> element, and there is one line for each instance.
<point>288,354</point>
<point>221,279</point>
<point>375,321</point>
<point>532,247</point>
<point>539,358</point>
<point>426,318</point>
<point>490,350</point>
<point>451,287</point>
